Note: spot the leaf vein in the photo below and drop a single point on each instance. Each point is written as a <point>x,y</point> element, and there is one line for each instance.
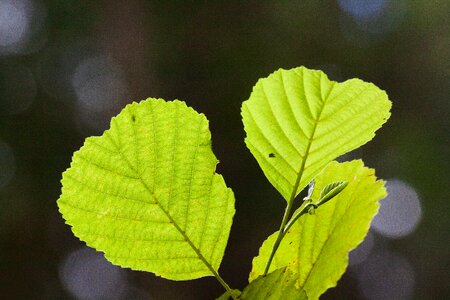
<point>282,130</point>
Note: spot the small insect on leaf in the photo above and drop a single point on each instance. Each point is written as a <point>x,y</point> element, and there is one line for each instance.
<point>271,155</point>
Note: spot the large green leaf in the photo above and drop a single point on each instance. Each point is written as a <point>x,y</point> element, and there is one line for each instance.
<point>298,120</point>
<point>278,285</point>
<point>321,242</point>
<point>147,195</point>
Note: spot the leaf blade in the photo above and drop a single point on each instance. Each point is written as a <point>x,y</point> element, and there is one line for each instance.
<point>321,242</point>
<point>279,284</point>
<point>306,120</point>
<point>119,193</point>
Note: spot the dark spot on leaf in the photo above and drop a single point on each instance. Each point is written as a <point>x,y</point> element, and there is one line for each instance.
<point>133,118</point>
<point>271,155</point>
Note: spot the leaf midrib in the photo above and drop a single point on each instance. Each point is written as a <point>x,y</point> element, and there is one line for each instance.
<point>311,138</point>
<point>157,202</point>
<point>329,234</point>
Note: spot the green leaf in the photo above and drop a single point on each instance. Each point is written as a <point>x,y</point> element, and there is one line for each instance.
<point>147,195</point>
<point>330,191</point>
<point>297,121</point>
<point>229,295</point>
<point>278,285</point>
<point>321,242</point>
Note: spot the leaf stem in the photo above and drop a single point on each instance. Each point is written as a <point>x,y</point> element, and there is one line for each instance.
<point>280,236</point>
<point>304,208</point>
<point>223,283</point>
<point>290,202</point>
<point>285,226</point>
<point>196,250</point>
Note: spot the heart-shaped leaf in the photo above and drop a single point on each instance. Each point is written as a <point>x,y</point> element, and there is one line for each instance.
<point>297,121</point>
<point>147,195</point>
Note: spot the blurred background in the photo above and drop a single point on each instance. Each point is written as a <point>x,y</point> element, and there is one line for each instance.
<point>68,66</point>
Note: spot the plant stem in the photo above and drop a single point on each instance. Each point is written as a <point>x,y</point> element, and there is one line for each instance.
<point>285,225</point>
<point>303,209</point>
<point>224,284</point>
<point>294,191</point>
<point>280,236</point>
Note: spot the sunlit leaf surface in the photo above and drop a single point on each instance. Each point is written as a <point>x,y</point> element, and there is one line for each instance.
<point>147,195</point>
<point>320,243</point>
<point>297,121</point>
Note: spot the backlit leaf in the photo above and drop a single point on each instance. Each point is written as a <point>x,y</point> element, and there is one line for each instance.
<point>278,285</point>
<point>297,121</point>
<point>147,195</point>
<point>320,243</point>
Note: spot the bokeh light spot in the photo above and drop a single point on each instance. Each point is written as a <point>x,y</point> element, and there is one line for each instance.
<point>363,250</point>
<point>13,22</point>
<point>22,26</point>
<point>86,274</point>
<point>362,9</point>
<point>366,22</point>
<point>99,84</point>
<point>400,212</point>
<point>386,275</point>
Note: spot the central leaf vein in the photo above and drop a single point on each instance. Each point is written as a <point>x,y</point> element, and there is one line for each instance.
<point>166,212</point>
<point>308,146</point>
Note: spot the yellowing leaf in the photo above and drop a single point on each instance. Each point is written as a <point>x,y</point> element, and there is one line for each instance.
<point>297,121</point>
<point>321,242</point>
<point>147,195</point>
